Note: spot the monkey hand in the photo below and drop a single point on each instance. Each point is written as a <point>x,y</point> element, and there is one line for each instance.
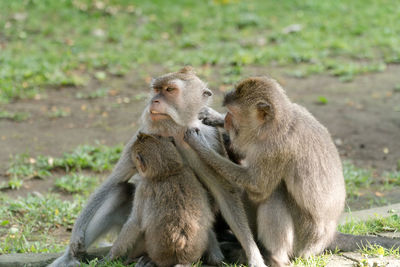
<point>195,138</point>
<point>145,261</point>
<point>211,117</point>
<point>66,260</point>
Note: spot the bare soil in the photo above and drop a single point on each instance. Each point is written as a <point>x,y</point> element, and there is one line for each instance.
<point>363,116</point>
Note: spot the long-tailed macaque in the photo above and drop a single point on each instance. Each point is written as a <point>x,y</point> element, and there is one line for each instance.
<point>175,103</point>
<point>172,219</point>
<point>291,172</point>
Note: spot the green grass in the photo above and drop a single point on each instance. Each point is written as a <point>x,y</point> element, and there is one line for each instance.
<point>94,158</point>
<point>378,251</point>
<point>82,39</point>
<point>26,222</point>
<point>374,226</point>
<point>76,183</point>
<point>356,179</point>
<point>313,261</point>
<point>14,116</point>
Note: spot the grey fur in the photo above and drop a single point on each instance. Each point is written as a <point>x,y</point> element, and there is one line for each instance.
<point>193,95</point>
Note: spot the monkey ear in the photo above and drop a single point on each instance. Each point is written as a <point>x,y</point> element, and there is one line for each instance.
<point>207,92</point>
<point>264,109</point>
<point>187,70</point>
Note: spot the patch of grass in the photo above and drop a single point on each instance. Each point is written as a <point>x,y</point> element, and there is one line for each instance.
<point>374,226</point>
<point>59,112</point>
<point>391,179</point>
<point>76,183</point>
<point>102,92</point>
<point>378,251</point>
<point>14,116</point>
<point>322,100</point>
<point>105,263</point>
<point>355,179</point>
<point>313,261</point>
<point>26,222</point>
<point>83,38</point>
<point>95,158</point>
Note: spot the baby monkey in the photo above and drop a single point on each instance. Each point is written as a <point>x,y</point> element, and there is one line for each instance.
<point>171,219</point>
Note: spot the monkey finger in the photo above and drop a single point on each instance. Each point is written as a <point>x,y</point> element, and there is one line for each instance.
<point>204,113</point>
<point>145,261</point>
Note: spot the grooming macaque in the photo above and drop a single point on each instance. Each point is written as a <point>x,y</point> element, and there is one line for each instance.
<point>292,172</point>
<point>171,211</point>
<point>176,101</point>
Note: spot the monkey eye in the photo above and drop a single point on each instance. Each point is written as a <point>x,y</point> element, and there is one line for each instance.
<point>170,89</point>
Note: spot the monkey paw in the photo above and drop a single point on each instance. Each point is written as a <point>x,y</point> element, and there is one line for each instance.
<point>192,136</point>
<point>145,261</point>
<point>211,117</point>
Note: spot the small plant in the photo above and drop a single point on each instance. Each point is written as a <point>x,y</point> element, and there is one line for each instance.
<point>76,183</point>
<point>102,92</point>
<point>356,178</point>
<point>378,251</point>
<point>59,112</point>
<point>322,100</point>
<point>16,116</point>
<point>313,261</point>
<point>374,226</point>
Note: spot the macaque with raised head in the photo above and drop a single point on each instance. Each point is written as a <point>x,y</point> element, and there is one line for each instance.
<point>175,103</point>
<point>291,172</point>
<point>171,212</point>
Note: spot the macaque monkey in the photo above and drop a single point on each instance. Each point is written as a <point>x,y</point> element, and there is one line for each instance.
<point>171,212</point>
<point>176,100</point>
<point>291,172</point>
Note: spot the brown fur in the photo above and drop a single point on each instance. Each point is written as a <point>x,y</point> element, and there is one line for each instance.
<point>292,170</point>
<point>170,205</point>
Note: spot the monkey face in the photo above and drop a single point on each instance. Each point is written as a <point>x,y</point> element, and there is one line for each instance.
<point>155,156</point>
<point>177,97</point>
<point>166,101</point>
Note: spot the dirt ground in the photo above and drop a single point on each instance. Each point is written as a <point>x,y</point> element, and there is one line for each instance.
<point>363,116</point>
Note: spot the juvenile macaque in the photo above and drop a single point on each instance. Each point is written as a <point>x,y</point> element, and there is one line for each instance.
<point>175,103</point>
<point>291,172</point>
<point>171,211</point>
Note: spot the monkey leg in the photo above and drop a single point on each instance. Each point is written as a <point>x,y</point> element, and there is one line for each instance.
<point>214,254</point>
<point>233,211</point>
<point>138,250</point>
<point>276,229</point>
<point>315,237</point>
<point>113,213</point>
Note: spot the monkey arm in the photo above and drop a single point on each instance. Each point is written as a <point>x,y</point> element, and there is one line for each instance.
<point>122,172</point>
<point>131,230</point>
<point>127,238</point>
<point>230,171</point>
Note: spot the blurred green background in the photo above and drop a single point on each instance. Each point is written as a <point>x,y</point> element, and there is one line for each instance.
<point>45,43</point>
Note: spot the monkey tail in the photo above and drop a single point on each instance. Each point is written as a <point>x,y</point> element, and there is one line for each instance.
<point>347,242</point>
